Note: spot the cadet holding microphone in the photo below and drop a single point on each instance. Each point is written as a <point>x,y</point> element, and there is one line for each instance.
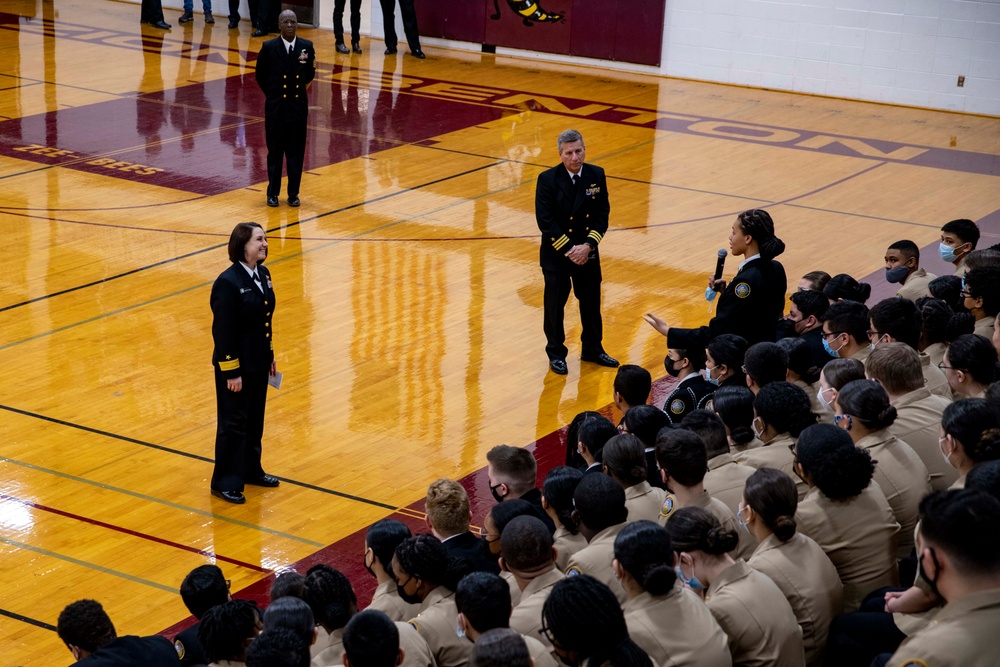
<point>753,303</point>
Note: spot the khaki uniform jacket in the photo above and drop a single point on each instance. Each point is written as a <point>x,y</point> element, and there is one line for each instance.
<point>822,416</point>
<point>809,582</point>
<point>566,544</point>
<point>539,652</point>
<point>719,510</point>
<point>736,450</point>
<point>775,454</point>
<point>934,378</point>
<point>904,481</point>
<point>329,647</point>
<point>964,634</point>
<point>862,354</point>
<point>415,650</point>
<point>726,478</point>
<point>227,663</point>
<point>387,600</point>
<point>760,624</point>
<point>436,623</point>
<point>527,615</point>
<point>918,424</point>
<point>984,327</point>
<point>644,502</point>
<point>916,285</point>
<point>515,590</point>
<point>596,558</point>
<point>859,535</point>
<point>677,630</point>
<point>936,352</point>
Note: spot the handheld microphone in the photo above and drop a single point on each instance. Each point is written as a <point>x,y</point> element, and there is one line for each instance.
<point>710,293</point>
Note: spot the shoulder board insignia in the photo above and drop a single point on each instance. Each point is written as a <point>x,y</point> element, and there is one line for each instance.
<point>668,506</point>
<point>742,290</point>
<point>710,405</point>
<point>573,570</point>
<point>413,623</point>
<point>179,647</point>
<point>915,663</point>
<point>677,406</point>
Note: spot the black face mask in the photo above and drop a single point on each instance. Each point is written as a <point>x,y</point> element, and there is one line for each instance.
<point>406,597</point>
<point>671,367</point>
<point>369,567</point>
<point>496,496</point>
<point>937,571</point>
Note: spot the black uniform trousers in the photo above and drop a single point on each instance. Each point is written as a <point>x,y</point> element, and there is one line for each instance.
<point>859,638</point>
<point>409,23</point>
<point>152,11</point>
<point>585,282</point>
<point>286,143</point>
<point>338,20</point>
<point>240,430</point>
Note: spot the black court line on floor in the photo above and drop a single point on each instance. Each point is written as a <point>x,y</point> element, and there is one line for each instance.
<point>27,619</point>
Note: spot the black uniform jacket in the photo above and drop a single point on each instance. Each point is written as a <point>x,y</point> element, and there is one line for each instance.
<point>750,306</point>
<point>283,78</point>
<point>569,215</point>
<point>471,548</point>
<point>241,326</point>
<point>691,394</point>
<point>130,651</point>
<point>188,648</point>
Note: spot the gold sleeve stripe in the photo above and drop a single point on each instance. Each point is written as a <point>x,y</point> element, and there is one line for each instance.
<point>560,242</point>
<point>596,235</point>
<point>229,365</point>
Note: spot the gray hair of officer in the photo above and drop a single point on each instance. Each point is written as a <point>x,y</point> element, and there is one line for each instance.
<point>568,137</point>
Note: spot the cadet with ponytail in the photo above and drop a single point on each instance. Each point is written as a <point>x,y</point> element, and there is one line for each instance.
<point>666,620</point>
<point>970,435</point>
<point>794,562</point>
<point>757,619</point>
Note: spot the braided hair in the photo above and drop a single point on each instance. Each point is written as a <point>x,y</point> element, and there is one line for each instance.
<point>329,594</point>
<point>583,615</point>
<point>757,223</point>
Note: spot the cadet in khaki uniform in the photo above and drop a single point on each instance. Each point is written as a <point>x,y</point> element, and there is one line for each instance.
<point>600,508</point>
<point>725,477</point>
<point>902,267</point>
<point>529,557</point>
<point>625,462</point>
<point>756,617</point>
<point>666,620</point>
<point>416,653</point>
<point>845,513</point>
<point>918,413</point>
<point>387,600</point>
<point>381,541</point>
<point>683,462</point>
<point>966,573</point>
<point>425,573</point>
<point>794,562</point>
<point>557,501</point>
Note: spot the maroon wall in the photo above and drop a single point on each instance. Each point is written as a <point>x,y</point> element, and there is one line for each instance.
<point>625,30</point>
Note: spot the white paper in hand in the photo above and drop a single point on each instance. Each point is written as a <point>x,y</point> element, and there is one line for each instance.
<point>275,380</point>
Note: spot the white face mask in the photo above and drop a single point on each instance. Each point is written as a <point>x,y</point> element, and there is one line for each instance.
<point>753,425</point>
<point>822,401</point>
<point>947,457</point>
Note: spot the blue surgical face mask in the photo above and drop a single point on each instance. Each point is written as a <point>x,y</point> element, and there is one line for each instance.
<point>947,253</point>
<point>829,350</point>
<point>708,376</point>
<point>692,583</point>
<point>897,275</point>
<point>739,518</point>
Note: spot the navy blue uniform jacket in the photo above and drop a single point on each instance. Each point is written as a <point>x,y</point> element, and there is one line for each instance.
<point>569,216</point>
<point>284,77</point>
<point>241,327</point>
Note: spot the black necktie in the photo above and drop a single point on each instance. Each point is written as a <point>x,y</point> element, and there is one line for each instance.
<point>573,178</point>
<point>256,277</point>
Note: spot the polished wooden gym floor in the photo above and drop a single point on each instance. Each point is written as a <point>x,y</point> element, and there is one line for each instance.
<point>408,325</point>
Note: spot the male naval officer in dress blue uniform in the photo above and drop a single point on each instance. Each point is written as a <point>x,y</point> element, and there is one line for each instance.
<point>571,208</point>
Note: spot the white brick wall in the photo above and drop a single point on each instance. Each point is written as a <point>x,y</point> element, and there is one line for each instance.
<point>899,51</point>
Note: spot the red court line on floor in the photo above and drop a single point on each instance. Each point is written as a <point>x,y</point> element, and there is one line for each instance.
<point>134,533</point>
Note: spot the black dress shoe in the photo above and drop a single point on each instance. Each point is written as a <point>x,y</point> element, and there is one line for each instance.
<point>602,360</point>
<point>293,201</point>
<point>390,51</point>
<point>272,201</point>
<point>356,47</point>
<point>233,24</point>
<point>186,17</point>
<point>258,33</point>
<point>342,48</point>
<point>234,497</point>
<point>209,19</point>
<point>417,53</point>
<point>558,366</point>
<point>269,481</point>
<point>162,25</point>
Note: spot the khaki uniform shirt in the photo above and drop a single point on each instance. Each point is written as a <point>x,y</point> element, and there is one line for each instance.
<point>862,354</point>
<point>539,652</point>
<point>596,558</point>
<point>526,617</point>
<point>760,624</point>
<point>387,600</point>
<point>904,481</point>
<point>961,267</point>
<point>934,378</point>
<point>859,535</point>
<point>917,285</point>
<point>964,634</point>
<point>936,352</point>
<point>822,416</point>
<point>725,480</point>
<point>984,328</point>
<point>918,424</point>
<point>566,544</point>
<point>644,501</point>
<point>677,630</point>
<point>736,450</point>
<point>415,650</point>
<point>329,647</point>
<point>775,454</point>
<point>705,501</point>
<point>437,623</point>
<point>515,590</point>
<point>809,582</point>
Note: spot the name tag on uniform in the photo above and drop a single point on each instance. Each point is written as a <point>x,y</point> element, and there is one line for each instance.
<point>244,290</point>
